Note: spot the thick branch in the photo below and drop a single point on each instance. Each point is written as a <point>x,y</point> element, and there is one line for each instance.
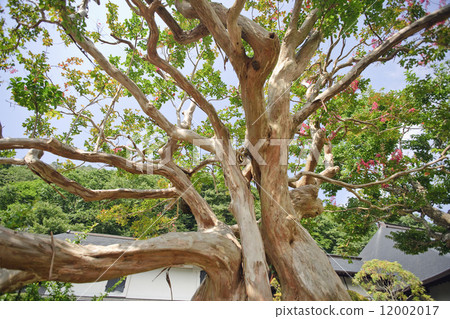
<point>202,212</point>
<point>216,252</point>
<point>180,35</point>
<point>12,280</point>
<point>233,29</point>
<point>54,146</point>
<point>422,23</point>
<point>12,161</point>
<point>265,44</point>
<point>210,19</point>
<point>50,175</point>
<point>435,214</point>
<point>290,65</point>
<point>439,217</point>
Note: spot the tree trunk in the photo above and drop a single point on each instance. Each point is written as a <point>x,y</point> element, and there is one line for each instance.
<point>303,269</point>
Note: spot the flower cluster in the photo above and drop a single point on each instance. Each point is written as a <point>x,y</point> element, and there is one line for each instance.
<point>397,155</point>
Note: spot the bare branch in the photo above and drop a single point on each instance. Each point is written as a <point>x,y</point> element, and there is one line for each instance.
<point>12,280</point>
<point>202,212</point>
<point>295,15</point>
<point>202,164</point>
<point>50,175</point>
<point>180,35</point>
<point>304,55</point>
<point>12,161</point>
<point>56,147</point>
<point>233,29</point>
<point>210,19</point>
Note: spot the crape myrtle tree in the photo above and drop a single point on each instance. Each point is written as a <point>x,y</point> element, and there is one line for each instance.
<point>397,167</point>
<point>291,60</point>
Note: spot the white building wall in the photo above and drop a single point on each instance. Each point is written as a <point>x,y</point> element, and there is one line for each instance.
<point>150,285</point>
<point>153,284</point>
<point>89,289</point>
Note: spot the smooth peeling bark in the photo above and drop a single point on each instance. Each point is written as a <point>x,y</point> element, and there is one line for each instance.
<point>12,280</point>
<point>255,269</point>
<point>216,251</point>
<point>303,269</point>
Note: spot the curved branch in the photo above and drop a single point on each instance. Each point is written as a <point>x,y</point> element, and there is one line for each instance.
<point>201,210</point>
<point>318,141</point>
<point>216,252</point>
<point>180,35</point>
<point>50,175</point>
<point>54,146</point>
<point>153,57</point>
<point>201,165</point>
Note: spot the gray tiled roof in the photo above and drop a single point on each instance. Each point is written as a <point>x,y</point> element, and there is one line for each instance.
<point>427,266</point>
<point>95,239</point>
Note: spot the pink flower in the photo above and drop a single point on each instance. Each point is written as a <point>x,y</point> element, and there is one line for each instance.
<point>354,85</point>
<point>412,110</point>
<point>374,106</point>
<point>397,155</point>
<point>333,200</point>
<point>333,135</point>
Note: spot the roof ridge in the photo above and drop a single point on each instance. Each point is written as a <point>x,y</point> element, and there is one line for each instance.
<point>397,226</point>
<point>102,235</point>
<point>345,257</point>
